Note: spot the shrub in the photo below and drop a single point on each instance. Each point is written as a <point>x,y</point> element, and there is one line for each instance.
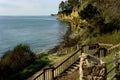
<point>41,60</point>
<point>16,59</point>
<point>71,41</point>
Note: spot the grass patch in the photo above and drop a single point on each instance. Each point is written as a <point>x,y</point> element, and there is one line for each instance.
<point>110,38</point>
<point>60,55</point>
<point>57,58</point>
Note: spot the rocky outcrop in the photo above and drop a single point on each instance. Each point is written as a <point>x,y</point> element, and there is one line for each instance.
<point>63,16</point>
<point>73,18</point>
<point>78,26</point>
<point>68,16</point>
<point>91,68</point>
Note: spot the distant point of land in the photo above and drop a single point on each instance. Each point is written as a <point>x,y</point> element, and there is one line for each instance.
<point>53,14</point>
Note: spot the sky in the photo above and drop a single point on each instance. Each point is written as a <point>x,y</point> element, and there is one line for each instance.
<point>28,7</point>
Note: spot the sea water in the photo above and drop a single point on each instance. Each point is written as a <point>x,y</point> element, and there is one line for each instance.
<point>40,32</point>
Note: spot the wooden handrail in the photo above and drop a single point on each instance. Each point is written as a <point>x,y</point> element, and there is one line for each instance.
<point>113,47</point>
<point>38,75</point>
<point>68,58</point>
<point>103,44</point>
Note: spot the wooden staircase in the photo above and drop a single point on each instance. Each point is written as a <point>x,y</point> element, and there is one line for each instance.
<point>66,67</point>
<point>73,69</point>
<point>71,64</point>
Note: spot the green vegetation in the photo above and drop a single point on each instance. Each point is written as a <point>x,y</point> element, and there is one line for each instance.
<point>109,38</point>
<point>20,63</point>
<point>67,6</point>
<point>41,61</point>
<point>15,60</point>
<point>89,12</point>
<point>100,17</point>
<point>103,16</point>
<point>71,41</point>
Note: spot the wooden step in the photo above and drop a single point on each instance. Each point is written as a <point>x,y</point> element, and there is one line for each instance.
<point>76,65</point>
<point>71,69</point>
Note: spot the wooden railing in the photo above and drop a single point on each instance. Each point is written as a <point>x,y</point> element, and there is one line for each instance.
<point>52,72</point>
<point>114,51</point>
<point>103,44</point>
<point>114,63</point>
<point>103,50</point>
<point>113,48</point>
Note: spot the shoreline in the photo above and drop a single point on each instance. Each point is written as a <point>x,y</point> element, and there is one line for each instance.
<point>64,37</point>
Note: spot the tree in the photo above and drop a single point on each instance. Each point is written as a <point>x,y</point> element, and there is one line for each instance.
<point>89,12</point>
<point>73,3</point>
<point>68,5</point>
<point>61,6</point>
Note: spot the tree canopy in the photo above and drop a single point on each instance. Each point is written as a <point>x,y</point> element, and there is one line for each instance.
<point>68,5</point>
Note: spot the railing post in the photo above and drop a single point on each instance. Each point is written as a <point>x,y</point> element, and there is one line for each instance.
<point>85,48</point>
<point>102,52</point>
<point>105,66</point>
<point>44,73</point>
<point>105,52</point>
<point>52,73</point>
<point>52,70</point>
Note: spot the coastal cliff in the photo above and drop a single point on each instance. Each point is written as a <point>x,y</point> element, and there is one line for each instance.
<point>78,26</point>
<point>95,16</point>
<point>70,16</point>
<point>92,21</point>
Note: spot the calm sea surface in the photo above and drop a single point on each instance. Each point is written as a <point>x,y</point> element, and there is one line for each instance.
<point>40,32</point>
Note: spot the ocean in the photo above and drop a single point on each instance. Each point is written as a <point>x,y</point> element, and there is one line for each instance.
<point>40,32</point>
